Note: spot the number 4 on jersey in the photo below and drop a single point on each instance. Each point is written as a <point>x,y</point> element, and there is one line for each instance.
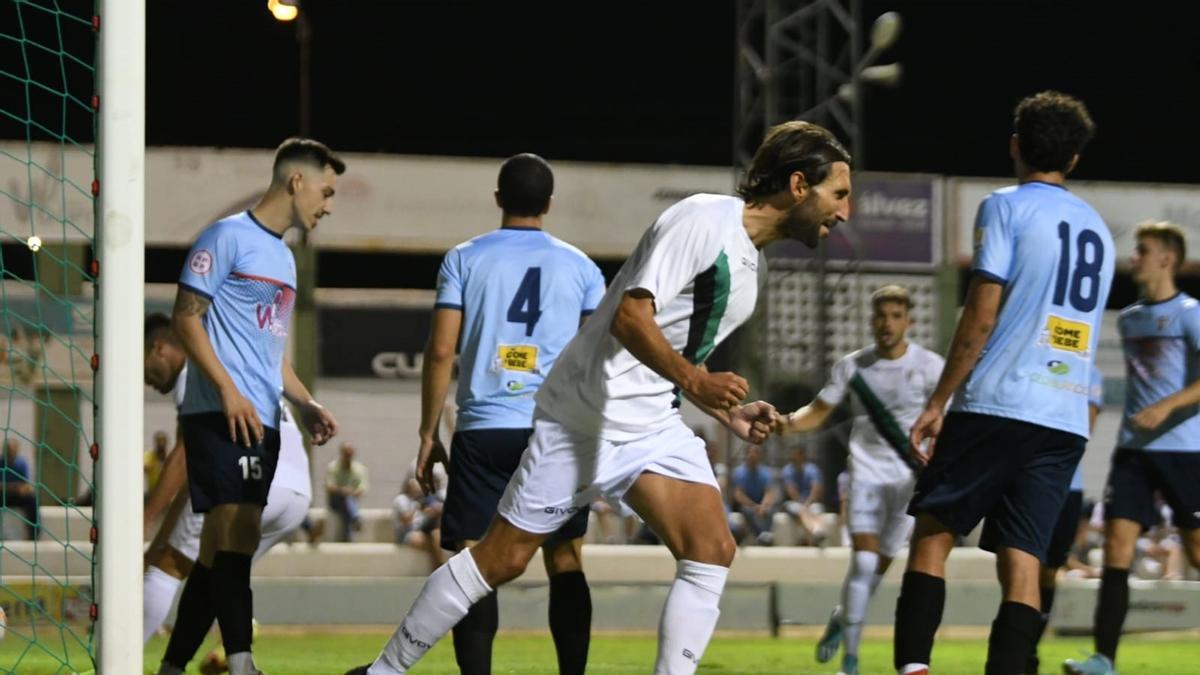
<point>526,304</point>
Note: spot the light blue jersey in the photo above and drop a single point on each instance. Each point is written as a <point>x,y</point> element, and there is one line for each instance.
<point>522,293</point>
<point>1095,400</point>
<point>249,275</point>
<point>1161,342</point>
<point>1054,255</point>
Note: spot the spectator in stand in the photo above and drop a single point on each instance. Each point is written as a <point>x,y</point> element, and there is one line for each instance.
<point>152,460</point>
<point>804,494</point>
<point>18,490</point>
<point>755,494</point>
<point>345,484</point>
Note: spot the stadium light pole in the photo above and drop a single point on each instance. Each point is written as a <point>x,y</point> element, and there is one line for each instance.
<point>884,33</point>
<point>305,319</point>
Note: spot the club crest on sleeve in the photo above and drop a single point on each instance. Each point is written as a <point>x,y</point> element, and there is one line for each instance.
<point>201,261</point>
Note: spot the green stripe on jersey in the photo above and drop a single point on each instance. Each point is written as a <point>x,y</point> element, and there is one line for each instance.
<point>709,299</point>
<point>708,308</point>
<point>884,422</point>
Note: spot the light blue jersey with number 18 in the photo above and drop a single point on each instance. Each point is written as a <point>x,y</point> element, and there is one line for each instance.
<point>522,293</point>
<point>1054,255</point>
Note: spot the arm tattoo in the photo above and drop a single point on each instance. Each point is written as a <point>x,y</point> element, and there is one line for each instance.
<point>188,303</point>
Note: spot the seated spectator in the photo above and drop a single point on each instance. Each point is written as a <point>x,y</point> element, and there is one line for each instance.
<point>19,492</point>
<point>755,495</point>
<point>804,492</point>
<point>152,461</point>
<point>1077,566</point>
<point>345,484</point>
<point>623,516</point>
<point>418,520</point>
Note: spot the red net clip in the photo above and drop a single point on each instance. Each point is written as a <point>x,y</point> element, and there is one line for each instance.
<point>94,612</point>
<point>95,362</point>
<point>94,269</point>
<point>96,102</point>
<point>95,188</point>
<point>94,451</point>
<point>93,535</point>
<point>95,22</point>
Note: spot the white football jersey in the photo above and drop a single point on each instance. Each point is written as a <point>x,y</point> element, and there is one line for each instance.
<point>292,470</point>
<point>888,396</point>
<point>703,271</point>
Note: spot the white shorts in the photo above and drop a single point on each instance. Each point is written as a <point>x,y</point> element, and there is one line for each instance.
<point>562,472</point>
<point>882,509</point>
<point>185,538</point>
<point>284,512</point>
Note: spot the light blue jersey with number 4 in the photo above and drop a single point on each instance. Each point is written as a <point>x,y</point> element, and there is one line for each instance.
<point>1054,255</point>
<point>523,294</point>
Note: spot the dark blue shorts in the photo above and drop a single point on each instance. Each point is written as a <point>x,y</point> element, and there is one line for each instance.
<point>1065,530</point>
<point>1134,477</point>
<point>1013,473</point>
<point>481,463</point>
<point>221,471</point>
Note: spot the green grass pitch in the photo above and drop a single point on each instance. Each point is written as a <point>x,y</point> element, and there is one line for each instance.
<point>531,654</point>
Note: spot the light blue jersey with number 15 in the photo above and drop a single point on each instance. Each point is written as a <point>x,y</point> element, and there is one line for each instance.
<point>1054,255</point>
<point>522,293</point>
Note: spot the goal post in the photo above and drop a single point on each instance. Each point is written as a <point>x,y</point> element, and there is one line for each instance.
<point>120,250</point>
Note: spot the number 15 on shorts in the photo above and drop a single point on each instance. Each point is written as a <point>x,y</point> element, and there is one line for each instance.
<point>251,467</point>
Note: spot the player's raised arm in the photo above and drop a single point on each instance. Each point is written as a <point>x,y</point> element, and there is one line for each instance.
<point>314,416</point>
<point>186,320</point>
<point>634,327</point>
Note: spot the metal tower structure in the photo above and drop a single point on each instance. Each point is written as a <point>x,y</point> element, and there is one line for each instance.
<point>805,59</point>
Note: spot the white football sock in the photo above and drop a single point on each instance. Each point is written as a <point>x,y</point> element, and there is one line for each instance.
<point>689,616</point>
<point>241,663</point>
<point>856,594</point>
<point>158,594</point>
<point>443,602</point>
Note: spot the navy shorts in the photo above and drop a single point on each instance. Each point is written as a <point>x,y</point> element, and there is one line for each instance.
<point>1134,477</point>
<point>481,463</point>
<point>221,471</point>
<point>1065,530</point>
<point>1013,473</point>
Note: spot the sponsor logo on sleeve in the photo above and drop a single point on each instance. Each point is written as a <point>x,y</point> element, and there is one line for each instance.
<point>201,262</point>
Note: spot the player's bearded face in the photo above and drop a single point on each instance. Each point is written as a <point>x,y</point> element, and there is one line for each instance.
<point>822,207</point>
<point>804,222</point>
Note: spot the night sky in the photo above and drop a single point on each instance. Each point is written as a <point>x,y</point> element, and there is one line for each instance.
<point>626,81</point>
<point>622,82</point>
<point>653,81</point>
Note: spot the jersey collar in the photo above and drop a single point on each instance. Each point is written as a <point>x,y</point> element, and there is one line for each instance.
<point>269,231</point>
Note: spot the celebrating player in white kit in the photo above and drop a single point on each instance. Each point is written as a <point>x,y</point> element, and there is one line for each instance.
<point>891,381</point>
<point>607,422</point>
